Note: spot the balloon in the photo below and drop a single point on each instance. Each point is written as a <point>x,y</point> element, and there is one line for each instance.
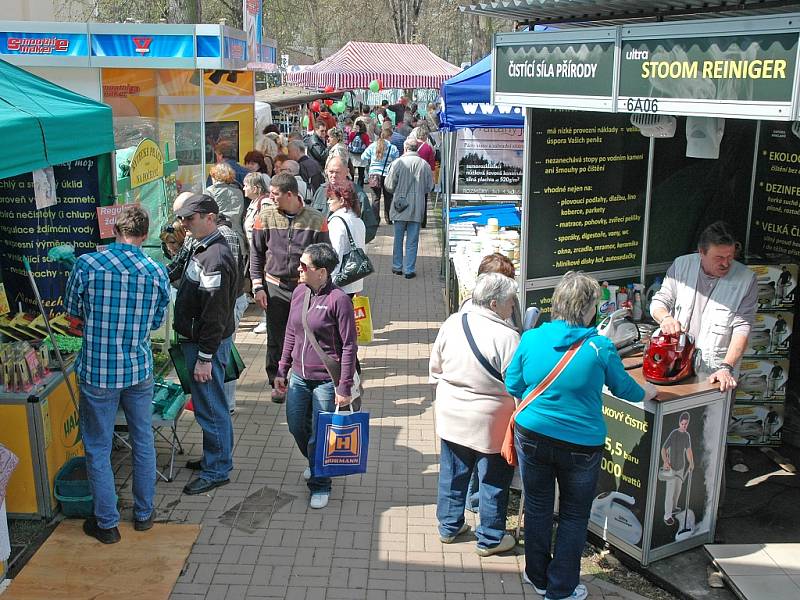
<point>315,106</point>
<point>328,102</point>
<point>305,122</point>
<point>380,84</point>
<point>374,86</point>
<point>339,107</point>
<point>328,89</point>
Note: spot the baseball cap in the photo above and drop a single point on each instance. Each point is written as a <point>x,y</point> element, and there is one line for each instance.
<point>197,203</point>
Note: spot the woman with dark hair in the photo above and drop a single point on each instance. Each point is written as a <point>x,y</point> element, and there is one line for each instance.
<point>255,162</point>
<point>357,158</point>
<point>311,388</point>
<point>345,217</point>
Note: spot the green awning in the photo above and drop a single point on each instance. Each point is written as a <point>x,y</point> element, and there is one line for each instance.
<point>42,124</point>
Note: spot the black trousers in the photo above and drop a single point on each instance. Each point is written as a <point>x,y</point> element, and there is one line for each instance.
<point>278,302</point>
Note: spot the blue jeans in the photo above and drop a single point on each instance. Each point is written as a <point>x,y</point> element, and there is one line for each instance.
<point>409,230</point>
<point>541,463</point>
<point>455,471</point>
<point>230,387</point>
<point>98,410</point>
<point>305,399</point>
<point>211,412</point>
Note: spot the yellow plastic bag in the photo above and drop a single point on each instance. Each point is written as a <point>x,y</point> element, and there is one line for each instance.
<point>363,316</point>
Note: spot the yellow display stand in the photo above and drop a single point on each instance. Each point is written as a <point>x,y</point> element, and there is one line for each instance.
<point>41,427</point>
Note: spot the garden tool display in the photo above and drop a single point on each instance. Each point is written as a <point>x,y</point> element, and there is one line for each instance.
<point>621,329</point>
<point>51,334</point>
<point>668,359</point>
<point>617,513</point>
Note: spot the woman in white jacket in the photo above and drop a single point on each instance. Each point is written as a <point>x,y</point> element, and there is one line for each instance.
<point>473,409</point>
<point>344,215</point>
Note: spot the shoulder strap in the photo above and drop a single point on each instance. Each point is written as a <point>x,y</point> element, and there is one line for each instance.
<point>334,369</point>
<point>349,235</point>
<point>481,358</point>
<point>551,377</point>
<point>386,160</point>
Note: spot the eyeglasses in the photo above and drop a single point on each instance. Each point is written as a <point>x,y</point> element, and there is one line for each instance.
<point>191,217</point>
<point>306,268</point>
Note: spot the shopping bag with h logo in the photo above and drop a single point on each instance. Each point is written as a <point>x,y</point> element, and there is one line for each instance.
<point>342,441</point>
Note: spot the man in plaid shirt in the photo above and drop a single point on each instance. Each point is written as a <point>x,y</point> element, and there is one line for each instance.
<point>121,295</point>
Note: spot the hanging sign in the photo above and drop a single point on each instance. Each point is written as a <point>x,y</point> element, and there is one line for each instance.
<point>147,163</point>
<point>571,69</point>
<point>690,75</point>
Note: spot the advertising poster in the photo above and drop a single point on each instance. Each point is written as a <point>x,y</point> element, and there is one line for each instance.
<point>489,162</point>
<point>251,18</point>
<point>621,495</point>
<point>688,460</point>
<point>588,181</point>
<point>775,225</point>
<point>756,424</point>
<point>28,232</point>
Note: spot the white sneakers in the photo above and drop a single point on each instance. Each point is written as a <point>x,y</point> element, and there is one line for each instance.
<point>449,539</point>
<point>579,593</point>
<point>307,473</point>
<point>261,327</point>
<point>319,500</point>
<point>506,544</point>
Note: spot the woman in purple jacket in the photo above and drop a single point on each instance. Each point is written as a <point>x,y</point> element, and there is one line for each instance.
<point>311,388</point>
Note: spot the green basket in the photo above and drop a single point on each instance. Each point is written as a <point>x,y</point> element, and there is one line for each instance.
<point>75,495</point>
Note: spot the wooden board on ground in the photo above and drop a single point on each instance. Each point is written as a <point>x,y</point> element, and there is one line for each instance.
<point>144,565</point>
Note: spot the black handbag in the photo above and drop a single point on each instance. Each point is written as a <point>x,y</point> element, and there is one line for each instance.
<point>355,264</point>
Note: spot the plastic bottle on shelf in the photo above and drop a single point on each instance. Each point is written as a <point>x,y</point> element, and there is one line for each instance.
<point>605,306</point>
<point>636,311</point>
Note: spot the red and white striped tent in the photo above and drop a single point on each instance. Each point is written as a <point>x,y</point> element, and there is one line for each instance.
<point>406,66</point>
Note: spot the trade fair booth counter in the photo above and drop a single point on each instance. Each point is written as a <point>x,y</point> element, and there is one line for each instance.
<point>636,137</point>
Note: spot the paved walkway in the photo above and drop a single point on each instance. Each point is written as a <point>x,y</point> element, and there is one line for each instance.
<point>377,539</point>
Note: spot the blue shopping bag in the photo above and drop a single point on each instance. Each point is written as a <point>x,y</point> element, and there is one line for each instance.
<point>342,442</point>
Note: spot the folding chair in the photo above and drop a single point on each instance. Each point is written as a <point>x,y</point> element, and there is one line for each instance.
<point>168,405</point>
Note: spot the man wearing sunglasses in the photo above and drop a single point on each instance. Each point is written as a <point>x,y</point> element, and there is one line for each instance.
<point>204,319</point>
<point>286,227</point>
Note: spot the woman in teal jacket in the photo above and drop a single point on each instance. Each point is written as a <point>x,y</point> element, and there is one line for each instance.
<point>560,435</point>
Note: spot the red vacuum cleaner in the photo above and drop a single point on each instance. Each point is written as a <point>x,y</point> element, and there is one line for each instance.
<point>668,359</point>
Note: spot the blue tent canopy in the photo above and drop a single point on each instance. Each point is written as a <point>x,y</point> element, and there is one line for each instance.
<point>467,101</point>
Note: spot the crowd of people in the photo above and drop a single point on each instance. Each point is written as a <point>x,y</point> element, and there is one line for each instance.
<point>273,230</point>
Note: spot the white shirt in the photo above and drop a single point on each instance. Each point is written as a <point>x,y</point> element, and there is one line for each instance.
<point>338,234</point>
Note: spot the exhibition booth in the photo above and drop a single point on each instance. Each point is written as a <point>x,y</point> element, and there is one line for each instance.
<point>58,172</point>
<point>481,178</point>
<point>186,87</point>
<point>637,137</point>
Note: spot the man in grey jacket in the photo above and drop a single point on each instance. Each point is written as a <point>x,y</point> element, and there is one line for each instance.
<point>410,179</point>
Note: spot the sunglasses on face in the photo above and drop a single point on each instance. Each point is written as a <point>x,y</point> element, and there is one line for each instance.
<point>191,217</point>
<point>306,268</point>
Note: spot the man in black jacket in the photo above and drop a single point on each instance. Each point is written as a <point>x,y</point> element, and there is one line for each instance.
<point>204,320</point>
<point>310,171</point>
<point>318,144</point>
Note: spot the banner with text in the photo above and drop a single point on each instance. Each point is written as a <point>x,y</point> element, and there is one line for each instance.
<point>31,233</point>
<point>490,161</point>
<point>740,68</point>
<point>580,69</point>
<point>587,186</point>
<point>251,17</point>
<point>621,493</point>
<point>775,224</point>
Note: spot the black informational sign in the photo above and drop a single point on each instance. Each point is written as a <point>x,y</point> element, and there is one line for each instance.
<point>26,231</point>
<point>621,495</point>
<point>587,186</point>
<point>775,225</point>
